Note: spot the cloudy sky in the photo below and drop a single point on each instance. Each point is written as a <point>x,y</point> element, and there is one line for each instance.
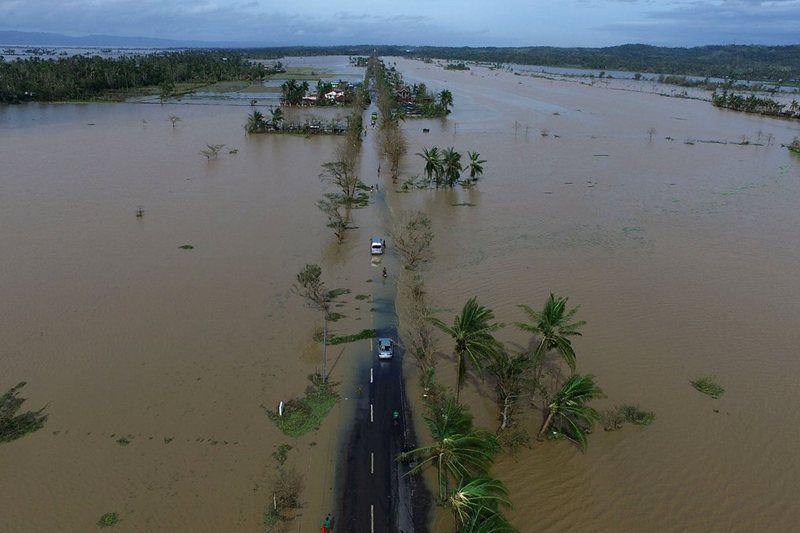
<point>419,22</point>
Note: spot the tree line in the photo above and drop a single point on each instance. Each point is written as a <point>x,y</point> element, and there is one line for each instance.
<point>293,93</point>
<point>83,78</point>
<point>743,62</point>
<point>754,104</point>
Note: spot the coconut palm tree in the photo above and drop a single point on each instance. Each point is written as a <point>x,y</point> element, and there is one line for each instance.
<point>433,163</point>
<point>447,418</point>
<point>277,117</point>
<point>456,456</point>
<point>472,333</point>
<point>475,505</point>
<point>451,166</point>
<point>568,412</point>
<point>553,324</point>
<point>475,165</point>
<point>445,100</point>
<point>255,122</point>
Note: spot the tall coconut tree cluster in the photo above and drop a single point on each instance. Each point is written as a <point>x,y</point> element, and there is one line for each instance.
<point>462,454</point>
<point>443,167</point>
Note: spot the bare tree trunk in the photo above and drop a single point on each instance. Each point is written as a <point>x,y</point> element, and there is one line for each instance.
<point>506,413</point>
<point>546,424</point>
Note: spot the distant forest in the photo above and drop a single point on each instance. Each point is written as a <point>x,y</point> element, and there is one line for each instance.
<point>91,78</point>
<point>87,78</point>
<point>739,62</point>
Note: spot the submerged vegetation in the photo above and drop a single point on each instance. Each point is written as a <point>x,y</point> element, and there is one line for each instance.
<point>708,386</point>
<point>108,520</point>
<point>754,104</point>
<point>13,425</point>
<point>285,486</point>
<point>303,415</point>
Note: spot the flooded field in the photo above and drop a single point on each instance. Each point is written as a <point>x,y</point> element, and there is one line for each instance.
<point>682,255</point>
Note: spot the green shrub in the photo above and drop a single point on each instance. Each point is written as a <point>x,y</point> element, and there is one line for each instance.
<point>108,519</point>
<point>708,386</point>
<point>635,415</point>
<point>303,415</point>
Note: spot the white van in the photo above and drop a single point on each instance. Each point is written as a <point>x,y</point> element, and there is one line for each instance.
<point>377,246</point>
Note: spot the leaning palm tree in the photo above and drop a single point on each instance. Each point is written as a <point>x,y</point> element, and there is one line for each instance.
<point>475,505</point>
<point>433,163</point>
<point>455,456</point>
<point>553,324</point>
<point>451,166</point>
<point>472,332</point>
<point>475,165</point>
<point>568,412</point>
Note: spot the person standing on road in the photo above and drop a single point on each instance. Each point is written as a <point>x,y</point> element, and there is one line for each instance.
<point>326,524</point>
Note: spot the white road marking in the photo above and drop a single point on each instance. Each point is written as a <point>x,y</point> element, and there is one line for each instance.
<point>371,419</point>
<point>370,375</point>
<point>371,462</point>
<point>372,518</point>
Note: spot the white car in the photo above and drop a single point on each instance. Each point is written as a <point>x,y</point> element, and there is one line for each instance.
<point>385,348</point>
<point>377,246</point>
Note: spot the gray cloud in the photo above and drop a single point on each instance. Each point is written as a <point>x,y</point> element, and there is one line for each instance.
<point>415,22</point>
<point>724,22</point>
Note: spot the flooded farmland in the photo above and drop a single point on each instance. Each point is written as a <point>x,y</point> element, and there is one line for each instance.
<point>681,253</point>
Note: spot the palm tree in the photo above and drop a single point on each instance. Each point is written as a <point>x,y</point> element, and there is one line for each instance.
<point>553,324</point>
<point>475,165</point>
<point>568,412</point>
<point>475,504</point>
<point>473,335</point>
<point>456,455</point>
<point>445,99</point>
<point>255,122</point>
<point>447,418</point>
<point>433,163</point>
<point>451,165</point>
<point>277,117</point>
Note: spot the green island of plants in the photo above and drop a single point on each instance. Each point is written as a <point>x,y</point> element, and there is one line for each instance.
<point>108,520</point>
<point>334,339</point>
<point>708,386</point>
<point>12,425</point>
<point>304,415</point>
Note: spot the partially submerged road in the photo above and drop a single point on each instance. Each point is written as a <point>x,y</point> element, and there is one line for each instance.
<point>374,494</point>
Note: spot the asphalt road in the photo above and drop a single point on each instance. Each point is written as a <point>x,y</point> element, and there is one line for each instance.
<point>373,493</point>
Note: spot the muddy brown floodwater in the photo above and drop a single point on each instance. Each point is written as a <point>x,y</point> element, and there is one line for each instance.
<point>682,255</point>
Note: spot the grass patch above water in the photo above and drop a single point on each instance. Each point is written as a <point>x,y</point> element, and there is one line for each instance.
<point>708,386</point>
<point>304,415</point>
<point>301,73</point>
<point>334,339</point>
<point>635,415</point>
